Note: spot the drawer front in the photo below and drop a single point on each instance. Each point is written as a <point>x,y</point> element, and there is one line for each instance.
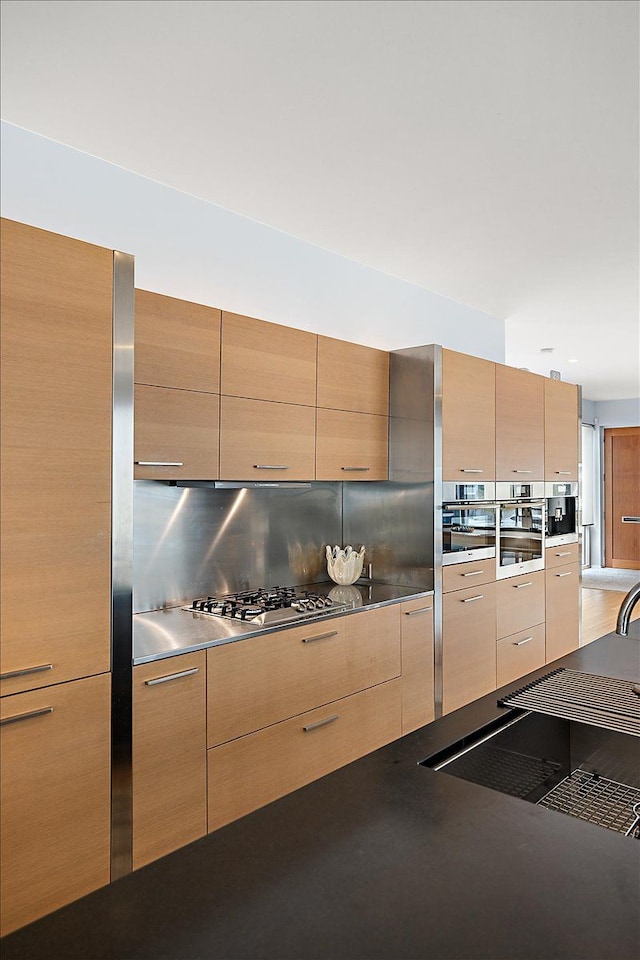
<point>519,603</point>
<point>468,645</point>
<point>460,576</point>
<point>520,654</point>
<point>176,434</point>
<point>260,440</point>
<point>418,705</point>
<point>250,772</point>
<point>260,681</point>
<point>352,446</point>
<point>560,556</point>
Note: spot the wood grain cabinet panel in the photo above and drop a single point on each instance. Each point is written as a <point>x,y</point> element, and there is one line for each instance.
<point>561,426</point>
<point>563,610</point>
<point>352,377</point>
<point>519,425</point>
<point>520,603</point>
<point>169,755</point>
<point>175,434</point>
<point>468,645</point>
<point>561,556</point>
<point>267,361</point>
<point>468,418</point>
<point>418,704</point>
<point>177,343</point>
<point>460,576</point>
<point>55,797</point>
<point>266,441</point>
<point>248,773</point>
<point>520,654</point>
<point>56,348</point>
<point>351,446</point>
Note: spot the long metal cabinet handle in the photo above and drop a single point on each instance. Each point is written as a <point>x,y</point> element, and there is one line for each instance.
<point>563,473</point>
<point>356,469</point>
<point>26,671</point>
<point>519,586</point>
<point>565,553</point>
<point>172,676</point>
<point>321,723</point>
<point>414,613</point>
<point>630,519</point>
<point>158,463</point>
<point>518,643</point>
<point>567,574</point>
<point>25,716</point>
<point>470,470</point>
<point>471,599</point>
<point>320,636</point>
<point>472,573</point>
<point>523,471</point>
<point>271,466</point>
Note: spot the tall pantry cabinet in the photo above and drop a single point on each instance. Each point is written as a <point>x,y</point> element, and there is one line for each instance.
<point>56,566</point>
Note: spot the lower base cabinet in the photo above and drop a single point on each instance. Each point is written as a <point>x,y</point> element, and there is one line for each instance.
<point>563,610</point>
<point>468,645</point>
<point>416,631</point>
<point>55,803</point>
<point>519,654</point>
<point>249,772</point>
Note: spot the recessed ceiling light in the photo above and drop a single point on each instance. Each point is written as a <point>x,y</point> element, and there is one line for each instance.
<point>546,350</point>
<point>572,360</point>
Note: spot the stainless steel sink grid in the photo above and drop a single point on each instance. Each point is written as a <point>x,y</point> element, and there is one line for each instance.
<point>595,799</point>
<point>506,771</point>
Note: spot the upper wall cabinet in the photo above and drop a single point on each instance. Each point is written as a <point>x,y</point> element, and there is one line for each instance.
<point>519,425</point>
<point>267,361</point>
<point>352,377</point>
<point>561,420</point>
<point>56,457</point>
<point>468,418</point>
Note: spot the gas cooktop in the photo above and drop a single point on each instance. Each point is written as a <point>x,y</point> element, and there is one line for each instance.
<point>268,607</point>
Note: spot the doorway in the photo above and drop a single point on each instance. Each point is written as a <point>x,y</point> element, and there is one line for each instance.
<point>622,497</point>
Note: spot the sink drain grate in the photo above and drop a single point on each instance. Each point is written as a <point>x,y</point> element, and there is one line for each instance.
<point>507,772</point>
<point>596,800</point>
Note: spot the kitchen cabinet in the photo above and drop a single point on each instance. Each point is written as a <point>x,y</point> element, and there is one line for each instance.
<point>561,556</point>
<point>468,645</point>
<point>55,797</point>
<point>267,361</point>
<point>416,625</point>
<point>561,426</point>
<point>177,343</point>
<point>261,440</point>
<point>56,457</point>
<point>520,603</point>
<point>563,610</point>
<point>468,418</point>
<point>175,434</point>
<point>352,377</point>
<point>457,576</point>
<point>519,425</point>
<point>169,755</point>
<point>520,654</point>
<point>351,446</point>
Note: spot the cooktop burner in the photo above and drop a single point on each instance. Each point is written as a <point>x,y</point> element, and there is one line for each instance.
<point>267,607</point>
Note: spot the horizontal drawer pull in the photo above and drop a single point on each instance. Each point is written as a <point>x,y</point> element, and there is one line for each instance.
<point>25,716</point>
<point>567,574</point>
<point>565,553</point>
<point>563,473</point>
<point>321,723</point>
<point>158,463</point>
<point>172,676</point>
<point>414,613</point>
<point>356,469</point>
<point>271,466</point>
<point>518,643</point>
<point>520,586</point>
<point>630,519</point>
<point>320,636</point>
<point>473,573</point>
<point>470,470</point>
<point>26,671</point>
<point>471,599</point>
<point>523,471</point>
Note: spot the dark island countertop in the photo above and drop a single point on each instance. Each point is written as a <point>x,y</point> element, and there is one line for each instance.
<point>381,859</point>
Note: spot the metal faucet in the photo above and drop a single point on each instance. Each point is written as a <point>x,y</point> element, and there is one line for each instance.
<point>626,608</point>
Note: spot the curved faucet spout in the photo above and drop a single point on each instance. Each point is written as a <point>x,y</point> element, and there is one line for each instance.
<point>626,608</point>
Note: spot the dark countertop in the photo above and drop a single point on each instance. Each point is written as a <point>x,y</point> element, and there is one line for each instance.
<point>381,859</point>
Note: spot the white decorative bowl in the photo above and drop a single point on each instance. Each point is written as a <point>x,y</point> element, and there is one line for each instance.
<point>344,566</point>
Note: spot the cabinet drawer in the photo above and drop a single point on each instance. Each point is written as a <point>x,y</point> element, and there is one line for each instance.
<point>416,626</point>
<point>250,772</point>
<point>169,755</point>
<point>563,610</point>
<point>56,797</point>
<point>260,440</point>
<point>460,576</point>
<point>519,603</point>
<point>351,446</point>
<point>560,556</point>
<point>468,645</point>
<point>352,377</point>
<point>259,681</point>
<point>520,654</point>
<point>177,428</point>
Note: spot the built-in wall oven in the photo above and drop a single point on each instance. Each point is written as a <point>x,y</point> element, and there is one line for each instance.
<point>520,530</point>
<point>562,513</point>
<point>468,522</point>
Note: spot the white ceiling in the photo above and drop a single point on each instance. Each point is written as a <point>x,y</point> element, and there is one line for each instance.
<point>485,150</point>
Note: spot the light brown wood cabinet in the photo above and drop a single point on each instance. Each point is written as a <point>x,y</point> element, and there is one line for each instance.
<point>563,610</point>
<point>519,603</point>
<point>56,457</point>
<point>169,755</point>
<point>351,446</point>
<point>520,653</point>
<point>261,440</point>
<point>55,797</point>
<point>561,556</point>
<point>352,377</point>
<point>468,645</point>
<point>416,624</point>
<point>468,418</point>
<point>175,434</point>
<point>458,576</point>
<point>561,425</point>
<point>519,425</point>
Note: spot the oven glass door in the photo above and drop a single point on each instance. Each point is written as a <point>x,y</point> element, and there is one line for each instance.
<point>520,538</point>
<point>468,532</point>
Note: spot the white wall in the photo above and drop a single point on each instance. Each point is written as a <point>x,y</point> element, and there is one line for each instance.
<point>617,413</point>
<point>195,250</point>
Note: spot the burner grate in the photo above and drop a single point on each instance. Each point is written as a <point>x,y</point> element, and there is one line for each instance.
<point>595,799</point>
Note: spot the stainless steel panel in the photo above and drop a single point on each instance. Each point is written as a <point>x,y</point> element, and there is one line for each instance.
<point>453,492</point>
<point>522,490</point>
<point>553,489</point>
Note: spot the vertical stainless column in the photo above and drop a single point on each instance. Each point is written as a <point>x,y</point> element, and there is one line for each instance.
<point>437,526</point>
<point>122,566</point>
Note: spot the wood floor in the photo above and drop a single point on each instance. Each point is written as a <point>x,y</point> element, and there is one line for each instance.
<point>600,611</point>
